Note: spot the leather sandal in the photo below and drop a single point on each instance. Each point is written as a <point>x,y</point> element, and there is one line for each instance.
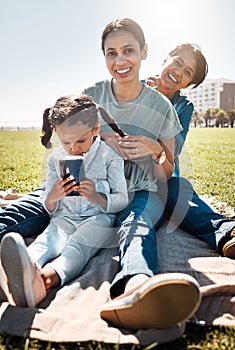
<point>229,247</point>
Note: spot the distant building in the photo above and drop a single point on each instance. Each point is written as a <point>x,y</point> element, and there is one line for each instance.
<point>213,93</point>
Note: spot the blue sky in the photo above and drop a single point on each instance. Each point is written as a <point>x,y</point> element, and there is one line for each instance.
<point>52,47</point>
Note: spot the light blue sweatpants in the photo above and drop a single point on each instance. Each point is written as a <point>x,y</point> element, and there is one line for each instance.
<point>70,243</point>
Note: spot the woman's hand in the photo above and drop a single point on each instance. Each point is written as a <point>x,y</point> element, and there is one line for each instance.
<point>134,147</point>
<point>112,139</point>
<point>154,82</point>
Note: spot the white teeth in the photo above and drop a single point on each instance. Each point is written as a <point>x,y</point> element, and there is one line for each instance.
<point>173,78</point>
<point>122,71</point>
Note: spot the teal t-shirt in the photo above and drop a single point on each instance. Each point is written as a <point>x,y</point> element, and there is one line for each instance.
<point>151,114</point>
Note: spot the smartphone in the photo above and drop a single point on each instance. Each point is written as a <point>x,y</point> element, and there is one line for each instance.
<point>72,166</point>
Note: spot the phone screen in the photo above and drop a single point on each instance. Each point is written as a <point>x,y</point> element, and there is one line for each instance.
<point>72,167</point>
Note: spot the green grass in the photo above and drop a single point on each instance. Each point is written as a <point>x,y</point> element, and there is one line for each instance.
<point>209,163</point>
<point>22,160</point>
<point>195,338</point>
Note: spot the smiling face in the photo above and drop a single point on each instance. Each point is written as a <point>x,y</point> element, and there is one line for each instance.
<point>76,139</point>
<point>123,56</point>
<point>177,72</point>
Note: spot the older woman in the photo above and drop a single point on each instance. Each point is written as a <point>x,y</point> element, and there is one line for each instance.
<point>191,213</point>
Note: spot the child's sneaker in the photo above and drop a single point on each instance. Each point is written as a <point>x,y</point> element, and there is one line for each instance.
<point>24,277</point>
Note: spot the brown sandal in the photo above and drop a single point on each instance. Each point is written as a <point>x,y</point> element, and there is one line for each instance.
<point>229,247</point>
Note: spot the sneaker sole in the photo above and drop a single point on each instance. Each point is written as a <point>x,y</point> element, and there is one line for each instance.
<point>229,249</point>
<point>169,302</point>
<point>16,264</point>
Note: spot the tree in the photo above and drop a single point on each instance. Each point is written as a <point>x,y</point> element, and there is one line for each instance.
<point>220,117</point>
<point>208,116</point>
<point>231,116</point>
<point>196,119</point>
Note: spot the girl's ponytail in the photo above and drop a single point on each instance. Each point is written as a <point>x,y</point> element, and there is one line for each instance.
<point>110,121</point>
<point>67,107</point>
<point>46,129</point>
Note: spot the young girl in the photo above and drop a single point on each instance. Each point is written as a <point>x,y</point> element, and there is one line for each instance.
<point>80,225</point>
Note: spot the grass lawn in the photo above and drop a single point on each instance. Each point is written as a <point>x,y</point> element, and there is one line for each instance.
<point>208,161</point>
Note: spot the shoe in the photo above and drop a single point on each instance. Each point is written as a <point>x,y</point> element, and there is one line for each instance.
<point>5,294</point>
<point>161,301</point>
<point>4,290</point>
<point>23,275</point>
<point>229,248</point>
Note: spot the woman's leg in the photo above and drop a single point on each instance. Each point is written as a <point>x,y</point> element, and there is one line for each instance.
<point>26,216</point>
<point>137,238</point>
<point>192,214</point>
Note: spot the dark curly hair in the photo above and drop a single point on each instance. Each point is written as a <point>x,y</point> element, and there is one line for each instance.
<point>72,109</point>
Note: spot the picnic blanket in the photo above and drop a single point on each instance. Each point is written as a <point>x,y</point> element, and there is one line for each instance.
<point>71,313</point>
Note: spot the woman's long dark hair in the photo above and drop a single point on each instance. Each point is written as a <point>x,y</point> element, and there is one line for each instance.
<point>127,25</point>
<point>71,109</point>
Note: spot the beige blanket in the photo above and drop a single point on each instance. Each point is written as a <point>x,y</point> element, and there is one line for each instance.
<point>71,314</point>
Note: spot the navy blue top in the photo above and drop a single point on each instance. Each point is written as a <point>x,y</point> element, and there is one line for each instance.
<point>184,108</point>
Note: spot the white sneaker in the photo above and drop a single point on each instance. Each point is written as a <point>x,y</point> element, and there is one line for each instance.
<point>3,284</point>
<point>161,301</point>
<point>24,277</point>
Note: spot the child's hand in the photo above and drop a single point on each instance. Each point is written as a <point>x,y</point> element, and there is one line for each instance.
<point>60,189</point>
<point>87,189</point>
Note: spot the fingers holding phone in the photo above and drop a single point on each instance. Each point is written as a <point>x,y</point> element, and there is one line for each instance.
<point>60,189</point>
<point>71,171</point>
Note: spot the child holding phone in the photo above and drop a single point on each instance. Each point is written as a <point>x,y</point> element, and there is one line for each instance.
<point>80,224</point>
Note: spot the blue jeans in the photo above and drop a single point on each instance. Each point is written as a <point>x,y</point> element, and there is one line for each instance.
<point>193,215</point>
<point>137,238</point>
<point>26,216</point>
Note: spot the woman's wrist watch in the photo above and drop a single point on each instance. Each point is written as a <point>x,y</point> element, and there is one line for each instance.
<point>160,159</point>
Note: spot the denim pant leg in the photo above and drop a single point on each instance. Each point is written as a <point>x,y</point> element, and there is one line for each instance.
<point>137,238</point>
<point>193,215</point>
<point>26,216</point>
